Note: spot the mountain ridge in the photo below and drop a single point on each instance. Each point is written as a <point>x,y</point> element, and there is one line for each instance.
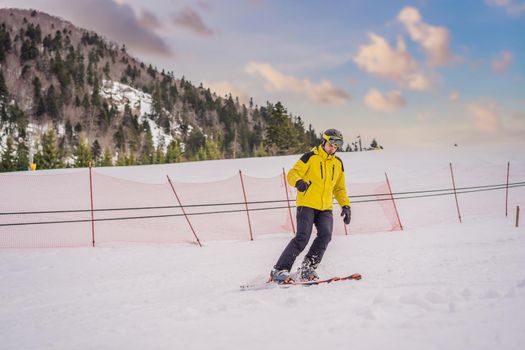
<point>58,78</point>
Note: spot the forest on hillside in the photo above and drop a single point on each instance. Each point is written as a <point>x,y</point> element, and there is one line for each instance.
<point>55,110</point>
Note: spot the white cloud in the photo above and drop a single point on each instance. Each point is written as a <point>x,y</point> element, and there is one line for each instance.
<point>418,81</point>
<point>434,40</point>
<point>501,64</point>
<point>387,102</point>
<point>224,88</point>
<point>380,59</point>
<point>324,92</point>
<point>509,6</point>
<point>485,114</point>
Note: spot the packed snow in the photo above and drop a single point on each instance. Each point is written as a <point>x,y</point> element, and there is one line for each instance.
<point>439,284</point>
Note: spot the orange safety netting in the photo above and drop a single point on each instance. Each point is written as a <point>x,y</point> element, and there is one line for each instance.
<point>55,210</point>
<point>32,198</point>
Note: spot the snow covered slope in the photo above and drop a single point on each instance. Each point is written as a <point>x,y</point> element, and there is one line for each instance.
<point>437,285</point>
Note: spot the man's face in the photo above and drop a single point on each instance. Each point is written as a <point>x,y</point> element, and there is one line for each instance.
<point>329,148</point>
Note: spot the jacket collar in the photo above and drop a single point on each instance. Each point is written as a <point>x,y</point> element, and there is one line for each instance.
<point>319,150</point>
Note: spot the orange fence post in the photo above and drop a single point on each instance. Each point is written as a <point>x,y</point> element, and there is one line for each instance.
<point>507,191</point>
<point>288,200</point>
<point>246,204</point>
<point>393,201</point>
<point>92,212</point>
<point>455,193</point>
<point>183,211</point>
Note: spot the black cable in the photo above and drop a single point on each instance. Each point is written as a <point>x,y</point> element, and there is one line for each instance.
<point>510,185</point>
<point>395,197</point>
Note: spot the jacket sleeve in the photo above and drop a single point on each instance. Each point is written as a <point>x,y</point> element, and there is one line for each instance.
<point>340,189</point>
<point>298,171</point>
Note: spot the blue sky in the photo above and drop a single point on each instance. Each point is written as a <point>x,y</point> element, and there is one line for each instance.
<point>415,72</point>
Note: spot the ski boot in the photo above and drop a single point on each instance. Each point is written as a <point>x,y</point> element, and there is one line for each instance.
<point>307,272</point>
<point>281,276</point>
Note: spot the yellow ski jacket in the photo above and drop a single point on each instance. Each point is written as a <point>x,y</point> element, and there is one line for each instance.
<point>326,178</point>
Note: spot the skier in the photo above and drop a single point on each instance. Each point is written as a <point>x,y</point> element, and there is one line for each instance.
<point>318,177</point>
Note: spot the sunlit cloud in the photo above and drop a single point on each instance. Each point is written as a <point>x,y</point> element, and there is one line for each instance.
<point>434,40</point>
<point>387,102</point>
<point>192,21</point>
<point>485,114</point>
<point>382,60</point>
<point>503,62</point>
<point>511,7</point>
<point>323,92</point>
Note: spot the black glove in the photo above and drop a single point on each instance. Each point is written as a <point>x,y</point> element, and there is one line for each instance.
<point>347,214</point>
<point>301,185</point>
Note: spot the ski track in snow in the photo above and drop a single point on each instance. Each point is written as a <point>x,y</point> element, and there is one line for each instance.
<point>440,286</point>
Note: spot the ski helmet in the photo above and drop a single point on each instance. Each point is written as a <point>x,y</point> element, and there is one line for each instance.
<point>333,136</point>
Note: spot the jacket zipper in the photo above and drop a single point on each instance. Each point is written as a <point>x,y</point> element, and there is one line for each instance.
<point>333,171</point>
<point>324,185</point>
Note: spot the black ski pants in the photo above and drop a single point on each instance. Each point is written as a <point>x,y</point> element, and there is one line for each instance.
<point>306,218</point>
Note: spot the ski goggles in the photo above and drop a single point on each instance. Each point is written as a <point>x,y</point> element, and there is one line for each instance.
<point>334,140</point>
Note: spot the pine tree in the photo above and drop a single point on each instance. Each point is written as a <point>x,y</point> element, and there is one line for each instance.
<point>147,153</point>
<point>121,158</point>
<point>281,137</point>
<point>156,103</point>
<point>106,158</point>
<point>201,154</point>
<point>79,71</point>
<point>28,51</point>
<point>212,149</point>
<point>8,162</point>
<point>5,42</point>
<point>4,92</point>
<point>96,151</point>
<point>19,118</point>
<point>48,157</point>
<point>173,152</point>
<point>37,88</point>
<point>83,154</point>
<point>196,141</point>
<point>52,103</point>
<point>4,98</point>
<point>159,156</point>
<point>130,159</point>
<point>261,151</point>
<point>107,69</point>
<point>95,94</point>
<point>22,156</point>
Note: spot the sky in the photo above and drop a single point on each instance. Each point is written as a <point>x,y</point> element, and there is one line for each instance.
<point>417,72</point>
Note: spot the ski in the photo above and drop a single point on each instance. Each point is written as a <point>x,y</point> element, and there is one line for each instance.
<point>269,284</point>
<point>355,276</point>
